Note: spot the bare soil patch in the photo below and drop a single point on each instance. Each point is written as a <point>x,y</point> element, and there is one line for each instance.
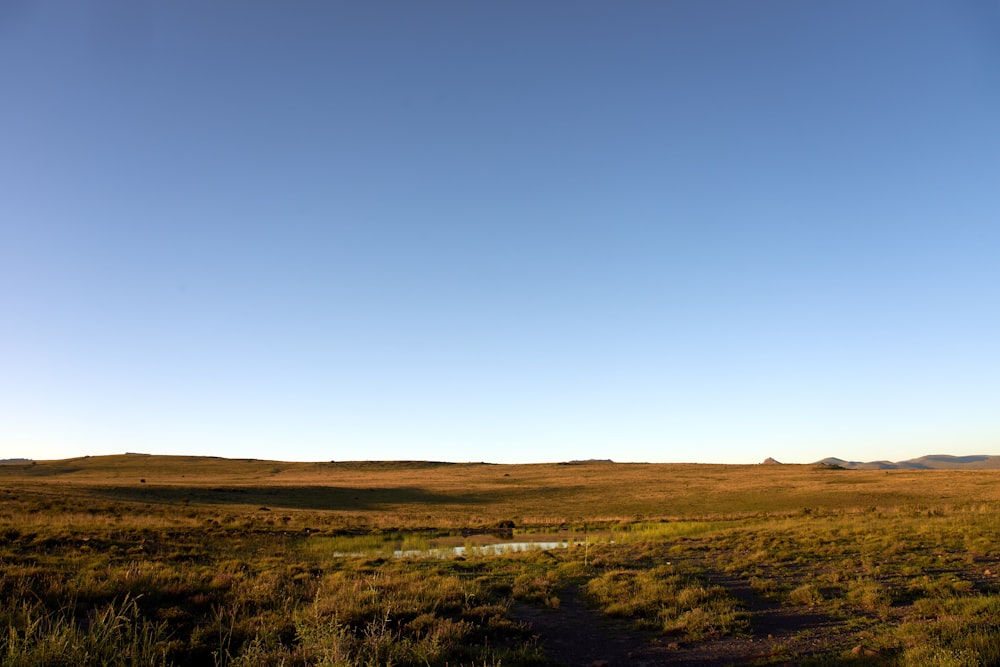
<point>579,636</point>
<point>574,634</point>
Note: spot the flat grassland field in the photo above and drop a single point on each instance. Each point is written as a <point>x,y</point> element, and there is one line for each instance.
<point>155,560</point>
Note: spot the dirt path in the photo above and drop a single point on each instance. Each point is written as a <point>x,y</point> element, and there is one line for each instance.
<point>579,636</point>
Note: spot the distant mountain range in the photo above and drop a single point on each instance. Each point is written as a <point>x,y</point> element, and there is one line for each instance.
<point>932,462</point>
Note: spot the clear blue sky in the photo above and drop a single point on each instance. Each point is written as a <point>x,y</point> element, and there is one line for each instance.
<point>501,231</point>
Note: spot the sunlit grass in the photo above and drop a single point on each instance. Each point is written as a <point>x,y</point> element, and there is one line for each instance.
<point>667,530</point>
<point>663,598</point>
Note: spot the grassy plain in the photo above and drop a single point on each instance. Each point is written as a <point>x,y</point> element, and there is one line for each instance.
<point>151,560</point>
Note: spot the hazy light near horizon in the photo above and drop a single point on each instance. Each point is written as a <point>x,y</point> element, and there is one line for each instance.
<point>690,231</point>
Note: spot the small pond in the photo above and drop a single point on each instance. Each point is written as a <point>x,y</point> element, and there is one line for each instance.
<point>479,550</point>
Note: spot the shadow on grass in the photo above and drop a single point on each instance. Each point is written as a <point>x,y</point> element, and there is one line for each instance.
<point>288,497</point>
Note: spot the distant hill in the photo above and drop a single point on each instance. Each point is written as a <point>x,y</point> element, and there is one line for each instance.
<point>931,462</point>
<point>2,461</point>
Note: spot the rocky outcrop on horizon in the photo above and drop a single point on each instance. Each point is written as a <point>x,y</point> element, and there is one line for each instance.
<point>931,462</point>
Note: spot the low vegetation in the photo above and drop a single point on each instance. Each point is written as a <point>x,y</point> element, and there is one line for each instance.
<point>139,560</point>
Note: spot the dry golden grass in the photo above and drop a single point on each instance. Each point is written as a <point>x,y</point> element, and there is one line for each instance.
<point>429,494</point>
<point>207,561</point>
